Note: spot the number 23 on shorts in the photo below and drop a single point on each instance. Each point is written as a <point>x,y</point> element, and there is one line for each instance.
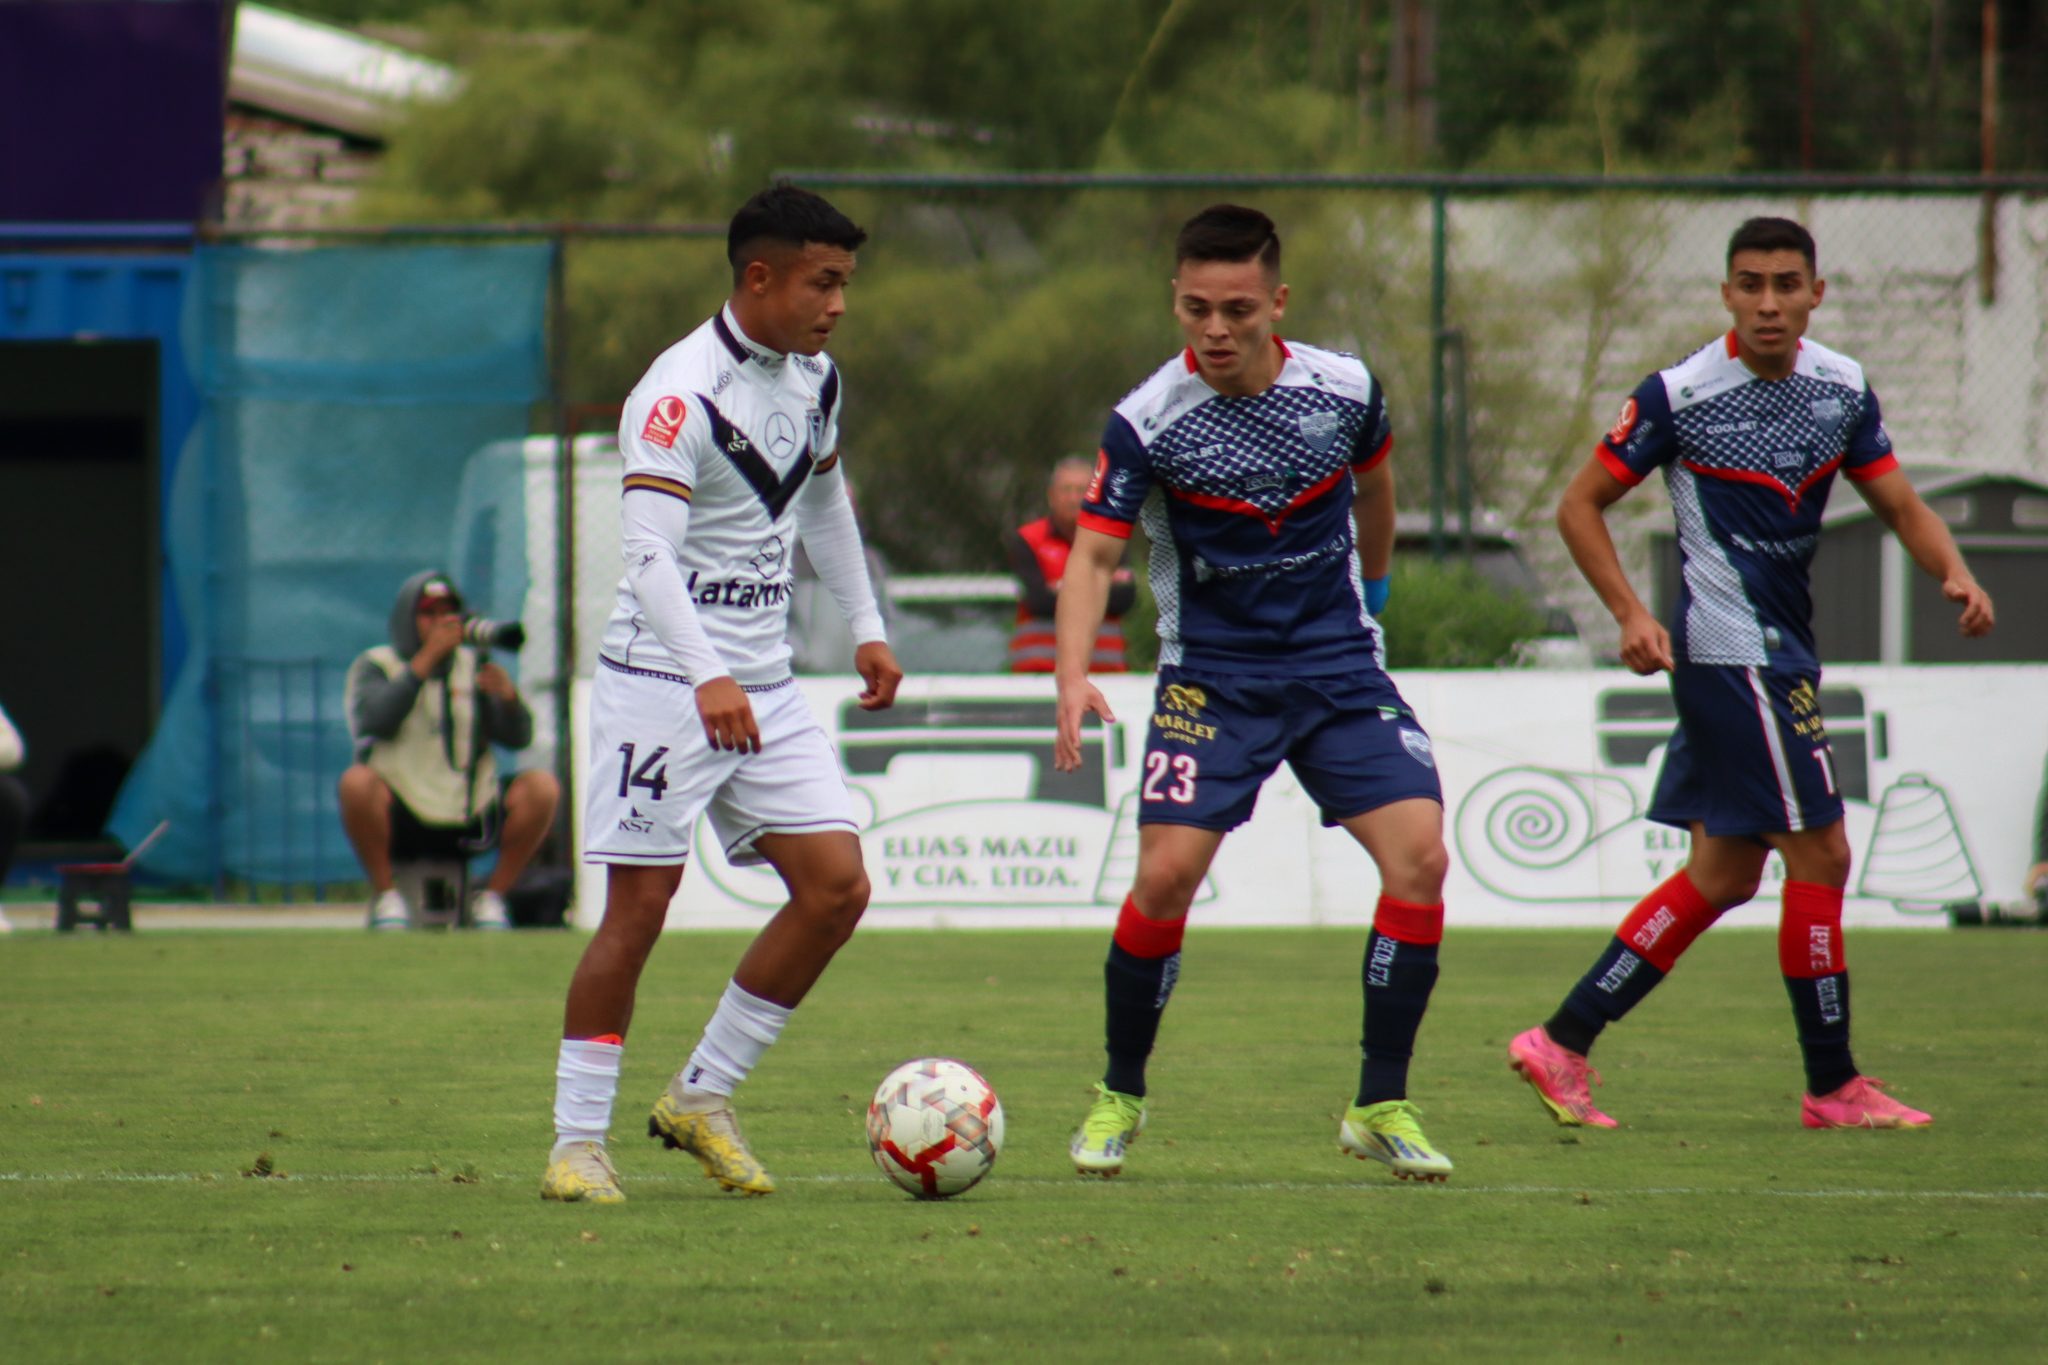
<point>1158,767</point>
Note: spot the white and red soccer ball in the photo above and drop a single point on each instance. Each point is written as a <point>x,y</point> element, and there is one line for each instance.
<point>935,1127</point>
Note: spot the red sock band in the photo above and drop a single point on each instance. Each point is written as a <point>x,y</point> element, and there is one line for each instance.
<point>1665,922</point>
<point>1407,922</point>
<point>612,1038</point>
<point>1810,931</point>
<point>1141,937</point>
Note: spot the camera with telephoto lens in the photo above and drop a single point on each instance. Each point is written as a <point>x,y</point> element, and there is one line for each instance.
<point>492,634</point>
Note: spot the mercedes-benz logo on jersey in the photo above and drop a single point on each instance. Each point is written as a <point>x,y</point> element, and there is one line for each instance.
<point>768,560</point>
<point>780,437</point>
<point>1319,429</point>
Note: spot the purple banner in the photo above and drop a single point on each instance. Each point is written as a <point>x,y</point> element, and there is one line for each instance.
<point>111,110</point>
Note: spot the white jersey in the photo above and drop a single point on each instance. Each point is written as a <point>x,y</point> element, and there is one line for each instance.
<point>736,430</point>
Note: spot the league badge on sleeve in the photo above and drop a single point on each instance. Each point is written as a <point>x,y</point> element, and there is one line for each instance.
<point>1623,424</point>
<point>665,422</point>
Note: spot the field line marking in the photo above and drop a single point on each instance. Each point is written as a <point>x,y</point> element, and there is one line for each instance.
<point>1284,1186</point>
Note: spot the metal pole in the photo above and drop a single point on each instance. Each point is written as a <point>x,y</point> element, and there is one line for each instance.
<point>1461,437</point>
<point>319,787</point>
<point>1436,376</point>
<point>565,530</point>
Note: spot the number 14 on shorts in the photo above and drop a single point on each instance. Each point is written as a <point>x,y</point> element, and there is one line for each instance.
<point>653,779</point>
<point>1175,773</point>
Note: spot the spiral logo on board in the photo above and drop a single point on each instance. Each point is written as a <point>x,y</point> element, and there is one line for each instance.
<point>1528,833</point>
<point>1540,822</point>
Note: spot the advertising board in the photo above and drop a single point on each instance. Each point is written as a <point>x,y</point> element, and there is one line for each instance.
<point>1546,775</point>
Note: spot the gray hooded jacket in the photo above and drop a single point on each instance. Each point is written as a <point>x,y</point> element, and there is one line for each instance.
<point>383,693</point>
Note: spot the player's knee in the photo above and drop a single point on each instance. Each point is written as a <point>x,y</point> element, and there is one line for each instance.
<point>1165,890</point>
<point>535,787</point>
<point>361,788</point>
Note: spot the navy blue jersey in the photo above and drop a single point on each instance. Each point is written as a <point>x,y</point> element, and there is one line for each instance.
<point>1247,502</point>
<point>1749,463</point>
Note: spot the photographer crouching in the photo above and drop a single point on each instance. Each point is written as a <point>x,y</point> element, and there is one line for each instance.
<point>424,712</point>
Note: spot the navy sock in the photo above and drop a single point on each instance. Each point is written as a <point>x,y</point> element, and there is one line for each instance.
<point>1398,979</point>
<point>1821,1005</point>
<point>1616,984</point>
<point>1137,989</point>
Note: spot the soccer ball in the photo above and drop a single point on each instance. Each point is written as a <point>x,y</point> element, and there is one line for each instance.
<point>935,1127</point>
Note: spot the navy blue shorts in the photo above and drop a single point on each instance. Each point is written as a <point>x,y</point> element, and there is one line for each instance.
<point>1214,738</point>
<point>1750,755</point>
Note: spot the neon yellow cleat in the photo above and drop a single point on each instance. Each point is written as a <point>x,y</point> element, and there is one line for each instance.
<point>704,1126</point>
<point>581,1172</point>
<point>1113,1124</point>
<point>1388,1132</point>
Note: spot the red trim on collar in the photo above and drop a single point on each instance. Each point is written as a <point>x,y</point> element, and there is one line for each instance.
<point>1188,357</point>
<point>1733,349</point>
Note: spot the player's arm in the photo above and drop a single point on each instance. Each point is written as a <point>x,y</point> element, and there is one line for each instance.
<point>657,519</point>
<point>1083,601</point>
<point>1372,514</point>
<point>1123,477</point>
<point>1372,500</point>
<point>1927,539</point>
<point>1582,521</point>
<point>825,520</point>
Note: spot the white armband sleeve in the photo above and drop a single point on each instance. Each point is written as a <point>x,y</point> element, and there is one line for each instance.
<point>824,518</point>
<point>655,524</point>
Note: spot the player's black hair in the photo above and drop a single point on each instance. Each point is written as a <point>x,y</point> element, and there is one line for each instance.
<point>1229,232</point>
<point>786,216</point>
<point>1774,234</point>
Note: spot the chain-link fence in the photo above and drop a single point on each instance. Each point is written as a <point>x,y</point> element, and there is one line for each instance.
<point>998,318</point>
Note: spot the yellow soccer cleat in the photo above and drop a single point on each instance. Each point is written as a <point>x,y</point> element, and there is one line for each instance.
<point>1388,1133</point>
<point>1113,1124</point>
<point>581,1173</point>
<point>704,1126</point>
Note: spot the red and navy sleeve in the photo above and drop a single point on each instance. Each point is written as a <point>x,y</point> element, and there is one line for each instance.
<point>1123,476</point>
<point>1870,452</point>
<point>1643,437</point>
<point>1375,439</point>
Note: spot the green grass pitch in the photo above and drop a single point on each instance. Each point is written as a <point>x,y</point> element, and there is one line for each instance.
<point>139,1076</point>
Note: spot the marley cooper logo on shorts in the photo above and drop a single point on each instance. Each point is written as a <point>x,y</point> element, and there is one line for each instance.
<point>1806,719</point>
<point>1178,716</point>
<point>664,422</point>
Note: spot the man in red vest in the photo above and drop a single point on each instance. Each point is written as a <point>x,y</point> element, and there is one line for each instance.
<point>1038,556</point>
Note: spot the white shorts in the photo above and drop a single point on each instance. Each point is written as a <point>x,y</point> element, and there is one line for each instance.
<point>652,772</point>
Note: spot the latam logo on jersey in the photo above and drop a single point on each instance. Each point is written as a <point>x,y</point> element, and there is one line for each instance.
<point>741,593</point>
<point>665,422</point>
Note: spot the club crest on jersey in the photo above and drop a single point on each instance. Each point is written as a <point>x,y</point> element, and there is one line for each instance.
<point>814,424</point>
<point>780,438</point>
<point>1623,424</point>
<point>1319,429</point>
<point>665,422</point>
<point>767,560</point>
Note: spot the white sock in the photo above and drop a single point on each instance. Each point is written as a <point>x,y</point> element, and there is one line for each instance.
<point>586,1082</point>
<point>741,1029</point>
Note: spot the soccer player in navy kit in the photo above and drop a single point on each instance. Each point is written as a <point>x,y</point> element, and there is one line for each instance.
<point>1259,468</point>
<point>1750,432</point>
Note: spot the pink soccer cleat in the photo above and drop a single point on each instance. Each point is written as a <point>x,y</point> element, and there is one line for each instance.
<point>1860,1104</point>
<point>1558,1076</point>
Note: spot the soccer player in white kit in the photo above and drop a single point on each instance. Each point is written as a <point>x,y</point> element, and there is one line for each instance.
<point>731,450</point>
